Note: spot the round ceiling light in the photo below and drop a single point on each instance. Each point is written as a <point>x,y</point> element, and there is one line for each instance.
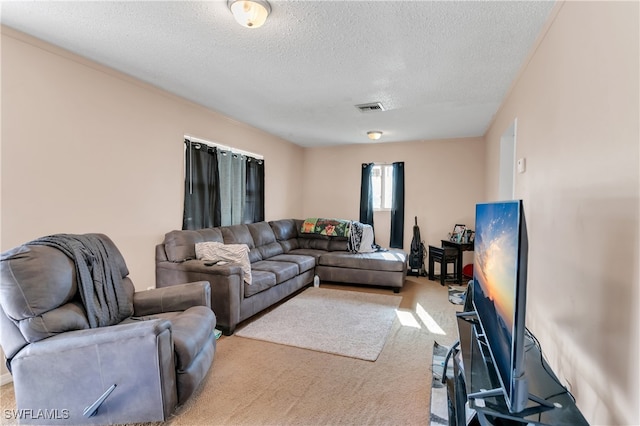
<point>374,135</point>
<point>249,13</point>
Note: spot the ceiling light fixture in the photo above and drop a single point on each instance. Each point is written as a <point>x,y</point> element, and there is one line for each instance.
<point>249,13</point>
<point>374,135</point>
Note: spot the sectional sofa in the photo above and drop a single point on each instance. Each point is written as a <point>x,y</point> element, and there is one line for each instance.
<point>283,260</point>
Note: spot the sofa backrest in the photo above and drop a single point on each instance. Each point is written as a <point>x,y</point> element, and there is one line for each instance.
<point>240,234</point>
<point>181,245</point>
<point>39,293</point>
<point>265,239</point>
<point>259,237</point>
<point>286,233</point>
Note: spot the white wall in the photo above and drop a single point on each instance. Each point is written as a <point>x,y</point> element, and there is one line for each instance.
<point>576,104</point>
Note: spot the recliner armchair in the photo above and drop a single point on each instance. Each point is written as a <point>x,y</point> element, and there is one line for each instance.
<point>138,369</point>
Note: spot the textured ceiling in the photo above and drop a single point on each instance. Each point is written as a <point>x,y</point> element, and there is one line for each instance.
<point>441,69</point>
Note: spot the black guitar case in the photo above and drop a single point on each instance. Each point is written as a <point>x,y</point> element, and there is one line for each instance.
<point>417,253</point>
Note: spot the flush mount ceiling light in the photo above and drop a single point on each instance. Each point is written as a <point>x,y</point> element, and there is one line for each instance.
<point>374,135</point>
<point>249,13</point>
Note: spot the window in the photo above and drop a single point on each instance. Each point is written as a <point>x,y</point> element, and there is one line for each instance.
<point>382,186</point>
<point>222,186</point>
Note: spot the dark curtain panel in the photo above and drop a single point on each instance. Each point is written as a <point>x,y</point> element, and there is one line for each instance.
<point>366,195</point>
<point>397,206</point>
<point>254,199</point>
<point>201,187</point>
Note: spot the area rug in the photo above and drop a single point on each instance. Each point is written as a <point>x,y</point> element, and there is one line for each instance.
<point>457,294</point>
<point>348,323</point>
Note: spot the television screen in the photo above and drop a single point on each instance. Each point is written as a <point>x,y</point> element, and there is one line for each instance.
<point>499,292</point>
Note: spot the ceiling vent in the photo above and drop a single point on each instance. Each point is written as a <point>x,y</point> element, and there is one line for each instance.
<point>370,107</point>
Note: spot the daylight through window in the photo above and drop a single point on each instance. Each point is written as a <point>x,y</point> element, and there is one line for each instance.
<point>382,185</point>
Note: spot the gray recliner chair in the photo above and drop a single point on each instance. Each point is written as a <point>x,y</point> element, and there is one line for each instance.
<point>136,366</point>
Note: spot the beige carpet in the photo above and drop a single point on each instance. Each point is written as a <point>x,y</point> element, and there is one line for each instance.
<point>259,383</point>
<point>341,322</point>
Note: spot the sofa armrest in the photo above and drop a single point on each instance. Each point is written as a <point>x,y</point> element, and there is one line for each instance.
<point>171,299</point>
<point>226,281</point>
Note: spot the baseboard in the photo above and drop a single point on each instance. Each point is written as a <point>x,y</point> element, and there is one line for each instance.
<point>5,378</point>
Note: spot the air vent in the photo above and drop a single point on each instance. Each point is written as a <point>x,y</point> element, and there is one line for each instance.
<point>370,107</point>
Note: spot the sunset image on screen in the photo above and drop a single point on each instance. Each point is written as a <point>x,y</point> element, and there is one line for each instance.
<point>496,257</point>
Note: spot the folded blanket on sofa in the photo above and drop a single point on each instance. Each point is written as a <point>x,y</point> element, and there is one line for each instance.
<point>212,251</point>
<point>329,227</point>
<point>361,238</point>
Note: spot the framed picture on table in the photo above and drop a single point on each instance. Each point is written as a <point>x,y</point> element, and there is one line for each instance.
<point>458,232</point>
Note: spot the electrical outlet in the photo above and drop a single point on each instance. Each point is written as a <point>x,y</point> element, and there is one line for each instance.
<point>522,165</point>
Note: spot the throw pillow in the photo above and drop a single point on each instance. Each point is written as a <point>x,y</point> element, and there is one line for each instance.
<point>212,251</point>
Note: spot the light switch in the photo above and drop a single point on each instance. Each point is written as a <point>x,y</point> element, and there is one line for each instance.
<point>522,165</point>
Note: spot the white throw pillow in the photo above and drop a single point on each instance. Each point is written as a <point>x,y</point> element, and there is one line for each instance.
<point>212,251</point>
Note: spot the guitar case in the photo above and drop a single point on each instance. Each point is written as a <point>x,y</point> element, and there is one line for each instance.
<point>417,253</point>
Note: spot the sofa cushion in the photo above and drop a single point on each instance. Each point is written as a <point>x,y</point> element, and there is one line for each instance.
<point>391,260</point>
<point>284,229</point>
<point>264,239</point>
<point>180,245</point>
<point>289,245</point>
<point>304,263</point>
<point>338,244</point>
<point>314,241</point>
<point>308,252</point>
<point>27,289</point>
<point>41,301</point>
<point>240,234</point>
<point>261,280</point>
<point>282,270</point>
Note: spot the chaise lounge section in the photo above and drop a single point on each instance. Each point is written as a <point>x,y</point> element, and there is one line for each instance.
<point>283,261</point>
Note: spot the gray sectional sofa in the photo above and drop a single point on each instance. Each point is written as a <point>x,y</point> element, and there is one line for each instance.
<point>283,261</point>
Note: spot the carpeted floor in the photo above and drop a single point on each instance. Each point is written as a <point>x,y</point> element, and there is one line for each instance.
<point>259,383</point>
<point>336,321</point>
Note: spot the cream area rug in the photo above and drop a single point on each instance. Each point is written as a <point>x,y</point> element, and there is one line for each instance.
<point>347,323</point>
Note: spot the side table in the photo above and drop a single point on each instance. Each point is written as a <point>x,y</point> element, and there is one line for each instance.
<point>461,247</point>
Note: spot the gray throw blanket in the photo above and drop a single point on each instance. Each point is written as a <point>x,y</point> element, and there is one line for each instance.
<point>98,275</point>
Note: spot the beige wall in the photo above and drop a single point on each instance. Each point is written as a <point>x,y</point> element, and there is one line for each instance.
<point>87,149</point>
<point>68,133</point>
<point>444,179</point>
<point>576,104</point>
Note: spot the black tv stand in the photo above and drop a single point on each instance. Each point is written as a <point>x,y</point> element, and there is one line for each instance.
<point>479,398</point>
<point>542,404</point>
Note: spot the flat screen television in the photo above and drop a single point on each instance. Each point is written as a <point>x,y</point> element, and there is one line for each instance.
<point>499,295</point>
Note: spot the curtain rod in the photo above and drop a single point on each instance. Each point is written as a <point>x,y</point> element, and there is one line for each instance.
<point>224,147</point>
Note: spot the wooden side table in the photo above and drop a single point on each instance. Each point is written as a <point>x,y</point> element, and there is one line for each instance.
<point>461,247</point>
<point>444,256</point>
